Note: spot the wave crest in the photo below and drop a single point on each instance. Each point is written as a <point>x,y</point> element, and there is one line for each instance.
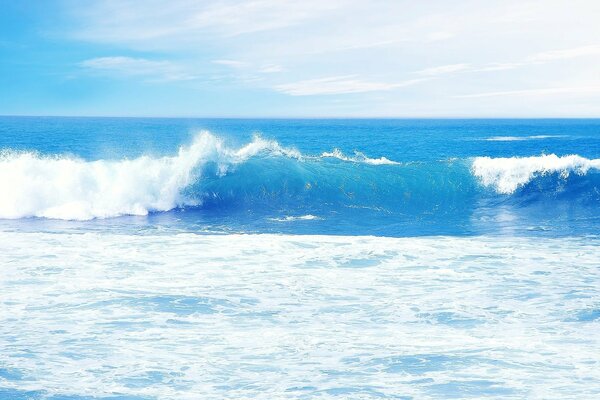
<point>521,138</point>
<point>71,188</point>
<point>506,175</point>
<point>358,158</point>
<point>66,187</point>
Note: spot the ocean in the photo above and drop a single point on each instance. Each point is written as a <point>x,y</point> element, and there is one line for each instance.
<point>149,258</point>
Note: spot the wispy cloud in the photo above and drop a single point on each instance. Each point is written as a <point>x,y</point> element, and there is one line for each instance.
<point>502,66</point>
<point>464,68</point>
<point>339,85</point>
<point>231,63</point>
<point>565,53</point>
<point>311,48</point>
<point>126,20</point>
<point>587,89</point>
<point>444,69</point>
<point>128,66</point>
<point>534,59</point>
<point>238,18</point>
<point>270,68</point>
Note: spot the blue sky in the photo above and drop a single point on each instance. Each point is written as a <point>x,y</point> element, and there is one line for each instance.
<point>283,58</point>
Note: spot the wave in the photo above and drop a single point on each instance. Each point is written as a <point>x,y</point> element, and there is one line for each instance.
<point>291,218</point>
<point>359,158</point>
<point>506,175</point>
<point>65,187</point>
<point>264,179</point>
<point>71,188</point>
<point>521,138</point>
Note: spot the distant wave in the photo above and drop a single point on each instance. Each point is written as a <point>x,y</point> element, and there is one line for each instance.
<point>291,218</point>
<point>358,157</point>
<point>506,175</point>
<point>521,138</point>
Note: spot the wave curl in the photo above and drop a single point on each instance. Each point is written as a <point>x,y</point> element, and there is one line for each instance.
<point>506,175</point>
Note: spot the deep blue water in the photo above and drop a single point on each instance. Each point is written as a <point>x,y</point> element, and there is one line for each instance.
<point>302,176</point>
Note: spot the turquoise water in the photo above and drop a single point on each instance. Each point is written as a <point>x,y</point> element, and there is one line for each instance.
<point>268,259</point>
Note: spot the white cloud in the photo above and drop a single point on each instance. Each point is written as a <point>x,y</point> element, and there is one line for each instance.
<point>497,67</point>
<point>485,46</point>
<point>231,63</point>
<point>128,66</point>
<point>572,90</point>
<point>270,68</point>
<point>235,18</point>
<point>546,57</point>
<point>444,69</point>
<point>535,59</point>
<point>566,53</point>
<point>184,20</point>
<point>339,85</point>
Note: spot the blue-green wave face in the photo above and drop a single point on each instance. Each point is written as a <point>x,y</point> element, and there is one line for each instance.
<point>344,193</point>
<point>264,186</point>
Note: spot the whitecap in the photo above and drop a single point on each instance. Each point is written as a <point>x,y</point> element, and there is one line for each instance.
<point>66,187</point>
<point>291,218</point>
<point>358,158</point>
<point>521,138</point>
<point>506,175</point>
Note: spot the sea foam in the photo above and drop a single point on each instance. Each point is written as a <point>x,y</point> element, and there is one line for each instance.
<point>64,187</point>
<point>506,175</point>
<point>190,317</point>
<point>521,138</point>
<point>358,158</point>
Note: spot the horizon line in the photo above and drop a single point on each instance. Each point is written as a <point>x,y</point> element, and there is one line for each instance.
<point>441,117</point>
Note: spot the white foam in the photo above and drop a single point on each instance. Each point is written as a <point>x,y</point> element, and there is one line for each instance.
<point>72,188</point>
<point>291,218</point>
<point>520,138</point>
<point>285,317</point>
<point>506,175</point>
<point>358,158</point>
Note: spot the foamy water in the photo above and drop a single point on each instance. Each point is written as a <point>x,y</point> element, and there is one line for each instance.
<point>273,316</point>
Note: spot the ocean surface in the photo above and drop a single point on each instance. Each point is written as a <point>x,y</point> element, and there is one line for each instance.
<point>145,258</point>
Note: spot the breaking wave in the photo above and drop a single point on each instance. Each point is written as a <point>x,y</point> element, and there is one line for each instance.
<point>506,175</point>
<point>263,175</point>
<point>72,188</point>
